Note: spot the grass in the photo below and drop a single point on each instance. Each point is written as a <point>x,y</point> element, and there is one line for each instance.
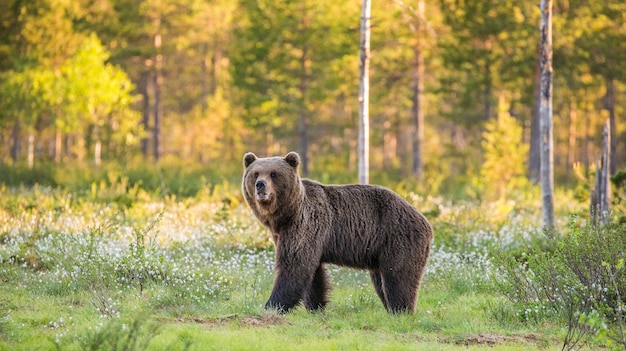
<point>81,271</point>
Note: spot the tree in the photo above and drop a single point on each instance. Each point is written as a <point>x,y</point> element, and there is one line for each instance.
<point>603,44</point>
<point>489,48</point>
<point>504,153</point>
<point>23,100</point>
<point>84,97</point>
<point>364,62</point>
<point>129,27</point>
<point>40,36</point>
<point>418,96</point>
<point>290,67</point>
<point>601,193</point>
<point>281,75</point>
<point>547,158</point>
<point>486,49</point>
<point>159,15</point>
<point>143,37</point>
<point>209,124</point>
<point>99,106</point>
<point>158,83</point>
<point>418,25</point>
<point>534,157</point>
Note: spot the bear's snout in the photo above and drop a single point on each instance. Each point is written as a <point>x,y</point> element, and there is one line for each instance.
<point>261,190</point>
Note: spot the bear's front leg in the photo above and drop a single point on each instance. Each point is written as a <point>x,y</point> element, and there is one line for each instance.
<point>293,278</point>
<point>288,290</point>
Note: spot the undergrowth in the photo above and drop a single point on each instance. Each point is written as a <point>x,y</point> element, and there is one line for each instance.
<point>115,266</point>
<point>578,277</point>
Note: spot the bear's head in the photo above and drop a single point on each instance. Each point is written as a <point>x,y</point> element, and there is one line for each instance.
<point>271,185</point>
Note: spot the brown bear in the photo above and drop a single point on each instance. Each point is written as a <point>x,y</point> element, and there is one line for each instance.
<point>359,226</point>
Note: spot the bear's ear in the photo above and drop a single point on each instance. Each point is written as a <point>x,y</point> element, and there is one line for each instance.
<point>248,158</point>
<point>293,159</point>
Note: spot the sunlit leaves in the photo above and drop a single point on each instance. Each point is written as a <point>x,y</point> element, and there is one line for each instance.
<point>291,57</point>
<point>96,92</point>
<point>505,154</point>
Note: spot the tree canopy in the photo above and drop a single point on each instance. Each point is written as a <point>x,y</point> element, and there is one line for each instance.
<point>208,80</point>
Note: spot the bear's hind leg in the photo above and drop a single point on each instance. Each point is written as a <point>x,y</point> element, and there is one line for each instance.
<point>378,285</point>
<point>400,293</point>
<point>315,299</point>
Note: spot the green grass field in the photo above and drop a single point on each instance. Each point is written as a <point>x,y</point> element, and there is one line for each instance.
<point>88,271</point>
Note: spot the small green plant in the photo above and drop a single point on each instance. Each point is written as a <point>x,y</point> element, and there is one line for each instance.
<point>116,334</point>
<point>617,272</point>
<point>579,278</point>
<point>143,261</point>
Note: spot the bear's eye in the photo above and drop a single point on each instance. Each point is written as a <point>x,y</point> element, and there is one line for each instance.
<point>273,174</point>
<point>256,175</point>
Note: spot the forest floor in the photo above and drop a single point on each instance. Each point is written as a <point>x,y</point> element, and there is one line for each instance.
<point>89,272</point>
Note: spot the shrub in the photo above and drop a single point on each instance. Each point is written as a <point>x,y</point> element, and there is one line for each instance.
<point>135,334</point>
<point>111,180</point>
<point>580,278</point>
<point>22,175</point>
<point>505,156</point>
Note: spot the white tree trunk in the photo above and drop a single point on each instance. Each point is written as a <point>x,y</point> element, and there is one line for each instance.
<point>364,94</point>
<point>97,153</point>
<point>58,145</point>
<point>31,150</point>
<point>545,112</point>
<point>605,175</point>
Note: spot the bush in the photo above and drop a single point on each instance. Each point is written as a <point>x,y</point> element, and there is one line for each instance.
<point>22,175</point>
<point>580,277</point>
<point>135,334</point>
<point>112,181</point>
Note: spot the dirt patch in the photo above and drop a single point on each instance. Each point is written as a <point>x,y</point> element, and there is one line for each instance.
<point>209,322</point>
<point>495,339</point>
<point>265,320</point>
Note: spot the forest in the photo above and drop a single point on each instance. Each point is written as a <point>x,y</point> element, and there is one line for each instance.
<point>197,83</point>
<point>123,124</point>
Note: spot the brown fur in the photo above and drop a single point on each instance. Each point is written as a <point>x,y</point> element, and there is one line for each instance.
<point>359,226</point>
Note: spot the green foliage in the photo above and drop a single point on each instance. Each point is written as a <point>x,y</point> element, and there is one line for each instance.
<point>96,93</point>
<point>505,156</point>
<point>143,262</point>
<point>135,334</point>
<point>579,278</point>
<point>27,97</point>
<point>21,175</point>
<point>239,75</point>
<point>113,183</point>
<point>306,74</point>
<point>492,51</point>
<point>79,272</point>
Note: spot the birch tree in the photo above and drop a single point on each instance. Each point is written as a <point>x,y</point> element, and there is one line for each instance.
<point>545,112</point>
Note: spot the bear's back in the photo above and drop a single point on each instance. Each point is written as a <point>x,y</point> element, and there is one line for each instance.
<point>363,219</point>
<point>358,200</point>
